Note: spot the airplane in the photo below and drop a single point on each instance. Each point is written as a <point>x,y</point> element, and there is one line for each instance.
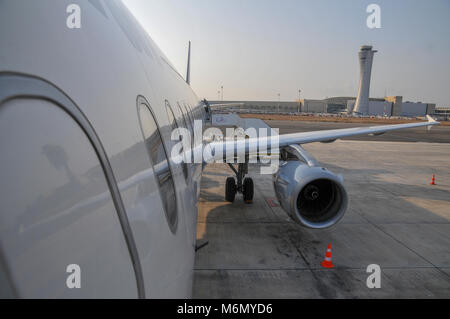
<point>87,179</point>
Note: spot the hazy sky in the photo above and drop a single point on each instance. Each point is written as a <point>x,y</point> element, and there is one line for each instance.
<point>259,48</point>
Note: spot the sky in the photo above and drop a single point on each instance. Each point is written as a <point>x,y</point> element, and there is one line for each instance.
<point>257,49</point>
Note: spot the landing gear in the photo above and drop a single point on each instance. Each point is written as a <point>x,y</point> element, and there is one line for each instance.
<point>239,184</point>
<point>230,189</point>
<point>248,190</point>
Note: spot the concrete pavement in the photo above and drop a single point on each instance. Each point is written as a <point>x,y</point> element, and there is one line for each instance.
<point>395,219</point>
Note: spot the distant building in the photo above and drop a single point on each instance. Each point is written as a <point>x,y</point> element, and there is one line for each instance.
<point>388,106</point>
<point>314,106</point>
<point>414,109</point>
<point>442,113</point>
<point>397,102</point>
<point>263,106</point>
<point>376,107</point>
<point>431,108</point>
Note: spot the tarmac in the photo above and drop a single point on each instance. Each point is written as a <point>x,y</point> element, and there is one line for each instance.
<point>395,219</point>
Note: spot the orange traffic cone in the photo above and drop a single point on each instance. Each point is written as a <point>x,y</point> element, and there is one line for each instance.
<point>433,180</point>
<point>326,263</point>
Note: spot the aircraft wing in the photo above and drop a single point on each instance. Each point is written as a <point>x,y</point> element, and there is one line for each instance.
<point>311,195</point>
<point>248,145</point>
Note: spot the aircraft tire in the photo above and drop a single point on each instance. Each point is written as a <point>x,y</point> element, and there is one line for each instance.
<point>248,190</point>
<point>230,189</point>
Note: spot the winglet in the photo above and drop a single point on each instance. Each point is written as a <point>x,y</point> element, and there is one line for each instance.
<point>432,122</point>
<point>188,72</point>
<point>430,119</point>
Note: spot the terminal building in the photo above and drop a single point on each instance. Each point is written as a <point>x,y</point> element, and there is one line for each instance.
<point>443,112</point>
<point>394,106</point>
<point>388,106</point>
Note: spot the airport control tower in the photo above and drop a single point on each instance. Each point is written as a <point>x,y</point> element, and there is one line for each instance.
<point>365,61</point>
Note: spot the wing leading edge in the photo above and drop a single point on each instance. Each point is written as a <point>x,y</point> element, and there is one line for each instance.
<point>248,145</point>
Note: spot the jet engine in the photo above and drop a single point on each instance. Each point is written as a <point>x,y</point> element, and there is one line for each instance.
<point>313,196</point>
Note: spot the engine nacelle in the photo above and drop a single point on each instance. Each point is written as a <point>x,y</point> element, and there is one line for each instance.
<point>313,196</point>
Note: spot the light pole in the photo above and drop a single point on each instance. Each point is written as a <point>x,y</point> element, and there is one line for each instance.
<point>299,102</point>
<point>222,92</point>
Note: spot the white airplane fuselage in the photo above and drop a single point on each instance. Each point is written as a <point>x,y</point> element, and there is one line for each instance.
<point>58,207</point>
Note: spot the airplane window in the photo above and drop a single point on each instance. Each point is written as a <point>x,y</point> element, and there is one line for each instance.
<point>158,156</point>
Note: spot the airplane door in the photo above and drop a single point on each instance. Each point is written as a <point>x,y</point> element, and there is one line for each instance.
<point>59,216</point>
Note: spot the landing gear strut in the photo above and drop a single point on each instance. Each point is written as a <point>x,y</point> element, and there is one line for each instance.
<point>239,184</point>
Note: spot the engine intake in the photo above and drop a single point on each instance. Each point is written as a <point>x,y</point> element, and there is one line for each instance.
<point>313,196</point>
